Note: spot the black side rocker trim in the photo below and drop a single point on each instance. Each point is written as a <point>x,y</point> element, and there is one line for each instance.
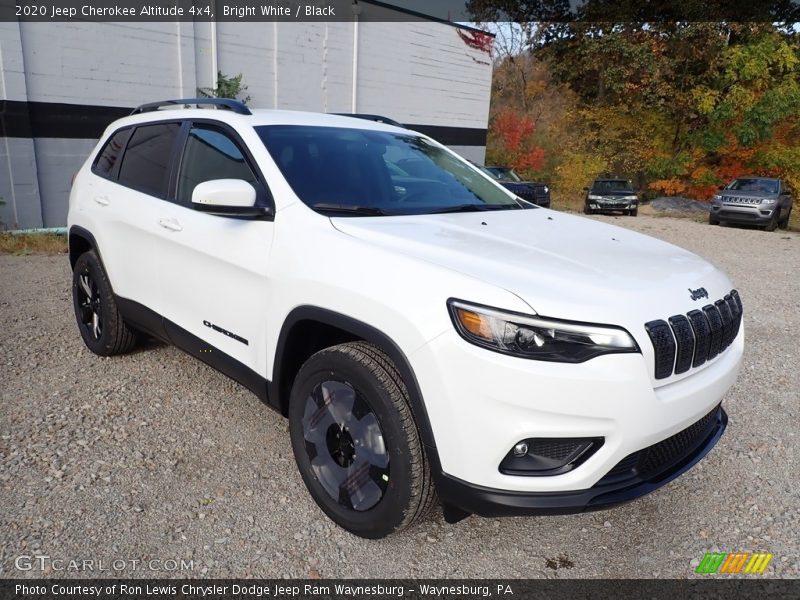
<point>149,321</point>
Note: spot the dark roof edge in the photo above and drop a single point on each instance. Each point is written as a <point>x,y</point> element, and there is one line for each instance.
<point>425,17</point>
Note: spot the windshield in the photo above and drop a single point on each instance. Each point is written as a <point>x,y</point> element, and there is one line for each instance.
<point>754,184</point>
<point>612,185</point>
<point>363,172</point>
<point>504,173</point>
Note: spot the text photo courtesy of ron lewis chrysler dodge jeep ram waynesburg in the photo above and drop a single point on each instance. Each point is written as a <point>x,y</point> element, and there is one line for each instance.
<point>430,337</point>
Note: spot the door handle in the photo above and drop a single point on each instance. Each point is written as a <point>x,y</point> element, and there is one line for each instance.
<point>171,224</point>
<point>102,200</point>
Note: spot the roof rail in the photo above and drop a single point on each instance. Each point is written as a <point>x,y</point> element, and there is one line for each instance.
<point>225,103</point>
<point>376,118</point>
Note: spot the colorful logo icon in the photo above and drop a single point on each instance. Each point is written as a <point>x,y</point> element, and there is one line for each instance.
<point>734,562</point>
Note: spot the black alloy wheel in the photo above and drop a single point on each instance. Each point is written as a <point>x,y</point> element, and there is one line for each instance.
<point>356,443</point>
<point>91,310</point>
<point>101,326</point>
<point>345,444</point>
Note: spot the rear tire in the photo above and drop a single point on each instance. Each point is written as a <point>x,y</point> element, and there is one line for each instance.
<point>102,328</point>
<point>356,443</point>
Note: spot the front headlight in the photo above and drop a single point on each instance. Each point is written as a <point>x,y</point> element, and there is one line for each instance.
<point>632,198</point>
<point>535,337</point>
<point>595,197</point>
<point>546,189</point>
<point>717,198</point>
<point>768,201</point>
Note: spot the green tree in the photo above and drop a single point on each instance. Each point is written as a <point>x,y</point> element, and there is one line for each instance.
<point>227,87</point>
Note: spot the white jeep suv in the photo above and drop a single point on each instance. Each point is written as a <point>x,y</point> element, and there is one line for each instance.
<point>425,331</point>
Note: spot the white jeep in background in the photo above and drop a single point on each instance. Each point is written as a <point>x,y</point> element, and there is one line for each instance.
<point>425,331</point>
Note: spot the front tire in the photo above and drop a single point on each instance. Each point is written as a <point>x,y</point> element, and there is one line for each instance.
<point>773,222</point>
<point>102,328</point>
<point>634,212</point>
<point>356,443</point>
<point>712,220</point>
<point>784,223</point>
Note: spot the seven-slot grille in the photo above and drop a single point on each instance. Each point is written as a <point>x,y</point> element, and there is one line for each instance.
<point>741,200</point>
<point>689,340</point>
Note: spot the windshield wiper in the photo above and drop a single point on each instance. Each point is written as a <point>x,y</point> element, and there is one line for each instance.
<point>471,208</point>
<point>368,211</point>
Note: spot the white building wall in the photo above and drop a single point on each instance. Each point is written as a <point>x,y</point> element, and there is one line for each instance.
<point>423,73</point>
<point>420,73</point>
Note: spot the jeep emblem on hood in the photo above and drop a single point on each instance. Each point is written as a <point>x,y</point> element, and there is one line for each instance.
<point>698,293</point>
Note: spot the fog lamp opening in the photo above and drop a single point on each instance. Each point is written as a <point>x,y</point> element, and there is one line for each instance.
<point>544,457</point>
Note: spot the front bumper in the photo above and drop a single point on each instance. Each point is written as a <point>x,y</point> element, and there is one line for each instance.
<point>744,214</point>
<point>626,482</point>
<point>611,206</point>
<point>480,403</point>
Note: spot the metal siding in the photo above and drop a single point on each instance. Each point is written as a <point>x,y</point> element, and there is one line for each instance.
<point>414,72</point>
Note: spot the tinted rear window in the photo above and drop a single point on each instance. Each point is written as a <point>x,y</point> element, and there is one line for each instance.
<point>111,152</point>
<point>145,165</point>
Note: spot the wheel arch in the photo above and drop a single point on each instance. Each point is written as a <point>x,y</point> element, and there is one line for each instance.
<point>327,327</point>
<point>80,241</point>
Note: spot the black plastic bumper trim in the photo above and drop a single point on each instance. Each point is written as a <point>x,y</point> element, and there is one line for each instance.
<point>488,502</point>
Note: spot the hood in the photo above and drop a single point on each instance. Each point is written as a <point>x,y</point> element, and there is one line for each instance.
<point>746,194</point>
<point>561,265</point>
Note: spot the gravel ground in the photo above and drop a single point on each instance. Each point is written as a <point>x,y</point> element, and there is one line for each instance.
<point>155,456</point>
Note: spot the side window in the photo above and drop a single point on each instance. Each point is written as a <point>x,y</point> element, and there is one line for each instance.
<point>110,154</point>
<point>211,154</point>
<point>145,166</point>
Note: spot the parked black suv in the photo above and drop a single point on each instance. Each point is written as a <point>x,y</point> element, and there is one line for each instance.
<point>532,191</point>
<point>763,201</point>
<point>611,195</point>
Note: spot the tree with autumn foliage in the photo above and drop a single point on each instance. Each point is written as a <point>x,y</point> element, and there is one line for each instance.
<point>680,107</point>
<point>512,142</point>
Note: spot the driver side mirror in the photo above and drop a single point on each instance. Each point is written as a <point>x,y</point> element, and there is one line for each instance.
<point>228,198</point>
<point>586,189</point>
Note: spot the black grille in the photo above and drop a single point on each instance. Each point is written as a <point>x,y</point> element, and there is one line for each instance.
<point>727,323</point>
<point>557,449</point>
<point>654,460</point>
<point>702,336</point>
<point>539,189</point>
<point>735,304</point>
<point>659,457</point>
<point>526,194</point>
<point>690,340</point>
<point>684,340</point>
<point>715,320</point>
<point>664,345</point>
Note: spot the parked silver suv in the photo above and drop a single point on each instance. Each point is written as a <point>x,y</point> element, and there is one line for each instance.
<point>760,201</point>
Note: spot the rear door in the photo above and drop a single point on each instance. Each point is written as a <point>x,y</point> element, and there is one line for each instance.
<point>127,200</point>
<point>213,269</point>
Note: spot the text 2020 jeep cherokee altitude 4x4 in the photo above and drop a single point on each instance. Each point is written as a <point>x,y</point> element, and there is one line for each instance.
<point>424,334</point>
